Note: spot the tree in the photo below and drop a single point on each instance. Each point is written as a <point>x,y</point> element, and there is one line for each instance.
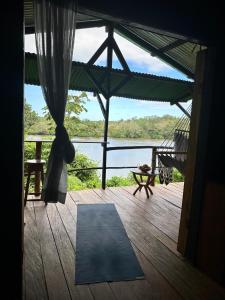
<point>30,117</point>
<point>74,107</point>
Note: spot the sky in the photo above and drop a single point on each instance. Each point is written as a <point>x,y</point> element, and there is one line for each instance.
<point>87,42</point>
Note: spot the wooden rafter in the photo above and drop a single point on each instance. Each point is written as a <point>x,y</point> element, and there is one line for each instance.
<point>148,47</point>
<point>172,45</point>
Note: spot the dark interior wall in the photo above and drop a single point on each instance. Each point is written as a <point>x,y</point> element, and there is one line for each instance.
<point>197,20</point>
<point>211,240</point>
<point>11,133</point>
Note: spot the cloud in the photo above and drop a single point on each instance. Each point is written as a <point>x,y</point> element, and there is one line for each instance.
<point>140,57</point>
<point>87,41</point>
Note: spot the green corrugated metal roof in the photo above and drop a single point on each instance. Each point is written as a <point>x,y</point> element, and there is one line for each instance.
<point>181,57</point>
<point>139,86</point>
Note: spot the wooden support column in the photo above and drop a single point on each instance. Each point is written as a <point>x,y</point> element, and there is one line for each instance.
<point>210,256</point>
<point>196,156</point>
<point>11,132</point>
<point>109,66</point>
<point>154,149</point>
<point>104,159</point>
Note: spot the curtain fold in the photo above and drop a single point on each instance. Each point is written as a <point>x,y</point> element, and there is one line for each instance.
<point>55,23</point>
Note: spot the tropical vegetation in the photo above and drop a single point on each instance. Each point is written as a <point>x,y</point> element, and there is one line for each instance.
<point>153,127</point>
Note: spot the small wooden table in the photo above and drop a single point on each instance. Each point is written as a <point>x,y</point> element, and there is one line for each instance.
<point>150,177</point>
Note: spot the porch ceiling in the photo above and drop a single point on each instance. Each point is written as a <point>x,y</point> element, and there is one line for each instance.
<point>181,54</point>
<point>138,86</point>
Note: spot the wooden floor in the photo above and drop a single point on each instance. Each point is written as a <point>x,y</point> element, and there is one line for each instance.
<point>152,227</point>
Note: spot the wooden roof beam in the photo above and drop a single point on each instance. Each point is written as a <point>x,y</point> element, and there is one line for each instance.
<point>79,25</point>
<point>148,47</point>
<point>172,45</point>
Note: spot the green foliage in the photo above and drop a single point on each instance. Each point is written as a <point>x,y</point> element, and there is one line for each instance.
<point>74,107</point>
<point>76,180</point>
<point>42,127</point>
<point>177,176</point>
<point>75,184</point>
<point>120,181</point>
<point>82,162</point>
<point>30,117</point>
<point>29,151</point>
<point>148,127</point>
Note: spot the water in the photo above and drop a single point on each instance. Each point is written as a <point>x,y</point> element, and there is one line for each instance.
<point>117,158</point>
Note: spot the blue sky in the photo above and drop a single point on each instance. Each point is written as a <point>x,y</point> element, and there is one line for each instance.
<point>86,43</point>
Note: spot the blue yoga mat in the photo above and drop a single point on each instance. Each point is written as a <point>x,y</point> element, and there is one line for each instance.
<point>103,250</point>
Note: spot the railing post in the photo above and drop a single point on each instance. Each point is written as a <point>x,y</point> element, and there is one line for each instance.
<point>104,159</point>
<point>154,149</point>
<point>37,174</point>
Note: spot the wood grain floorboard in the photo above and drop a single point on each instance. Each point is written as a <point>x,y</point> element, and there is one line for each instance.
<point>54,274</point>
<point>152,227</point>
<point>34,277</point>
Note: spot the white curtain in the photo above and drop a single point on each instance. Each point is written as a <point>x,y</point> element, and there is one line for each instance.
<point>55,22</point>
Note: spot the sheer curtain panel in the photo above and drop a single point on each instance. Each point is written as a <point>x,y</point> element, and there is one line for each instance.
<point>55,23</point>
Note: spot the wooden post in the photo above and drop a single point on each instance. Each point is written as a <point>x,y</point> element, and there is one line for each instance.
<point>104,159</point>
<point>37,174</point>
<point>196,157</point>
<point>109,66</point>
<point>154,149</point>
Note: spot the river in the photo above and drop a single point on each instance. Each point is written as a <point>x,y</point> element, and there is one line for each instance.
<point>118,157</point>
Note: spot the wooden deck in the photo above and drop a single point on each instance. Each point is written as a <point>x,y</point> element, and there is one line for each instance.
<point>152,227</point>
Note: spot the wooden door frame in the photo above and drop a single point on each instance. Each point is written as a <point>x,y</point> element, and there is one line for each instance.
<point>196,158</point>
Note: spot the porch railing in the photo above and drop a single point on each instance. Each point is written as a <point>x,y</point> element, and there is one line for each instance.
<point>155,150</point>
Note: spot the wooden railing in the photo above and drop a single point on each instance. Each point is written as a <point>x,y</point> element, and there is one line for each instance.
<point>155,151</point>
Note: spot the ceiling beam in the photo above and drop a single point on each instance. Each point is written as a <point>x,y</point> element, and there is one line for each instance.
<point>151,49</point>
<point>79,25</point>
<point>172,45</point>
<point>174,18</point>
<point>90,24</point>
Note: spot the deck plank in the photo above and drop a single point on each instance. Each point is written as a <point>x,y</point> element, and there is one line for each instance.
<point>50,249</point>
<point>68,218</point>
<point>55,279</point>
<point>175,186</point>
<point>102,291</point>
<point>160,213</point>
<point>127,290</point>
<point>34,277</point>
<point>161,192</point>
<point>97,290</point>
<point>188,281</point>
<point>160,288</point>
<point>123,289</point>
<point>66,253</point>
<point>144,224</point>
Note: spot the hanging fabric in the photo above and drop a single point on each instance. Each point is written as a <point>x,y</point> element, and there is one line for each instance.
<point>55,34</point>
<point>165,172</point>
<point>174,153</point>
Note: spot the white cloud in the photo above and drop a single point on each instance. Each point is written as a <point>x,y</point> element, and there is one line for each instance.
<point>142,58</point>
<point>87,41</point>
